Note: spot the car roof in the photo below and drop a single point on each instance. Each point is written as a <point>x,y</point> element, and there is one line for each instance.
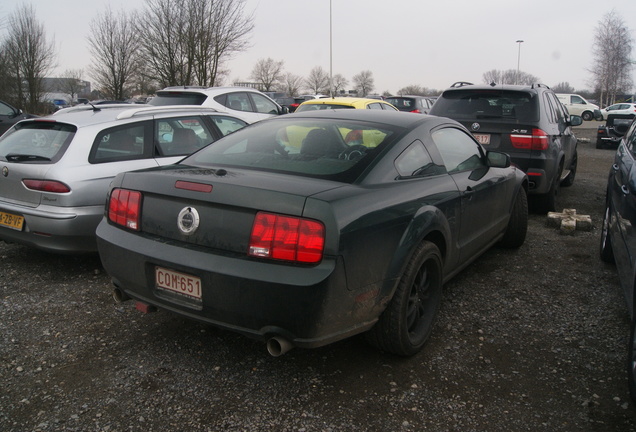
<point>210,91</point>
<point>396,118</point>
<point>462,86</point>
<point>350,101</point>
<point>85,115</point>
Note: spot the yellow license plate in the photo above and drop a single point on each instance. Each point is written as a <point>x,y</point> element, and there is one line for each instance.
<point>181,283</point>
<point>11,221</point>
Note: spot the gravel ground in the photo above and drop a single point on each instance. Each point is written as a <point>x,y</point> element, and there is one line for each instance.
<point>528,340</point>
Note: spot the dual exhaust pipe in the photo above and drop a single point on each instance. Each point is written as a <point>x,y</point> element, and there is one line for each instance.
<point>276,346</point>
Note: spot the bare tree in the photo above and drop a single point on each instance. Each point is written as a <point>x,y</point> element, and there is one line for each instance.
<point>612,50</point>
<point>268,73</point>
<point>413,90</point>
<point>114,47</point>
<point>29,58</point>
<point>364,82</point>
<point>186,42</point>
<point>563,87</point>
<point>72,82</point>
<point>291,84</point>
<point>340,84</point>
<point>317,81</point>
<point>510,76</point>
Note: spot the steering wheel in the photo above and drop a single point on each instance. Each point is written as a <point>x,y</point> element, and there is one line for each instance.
<point>354,152</point>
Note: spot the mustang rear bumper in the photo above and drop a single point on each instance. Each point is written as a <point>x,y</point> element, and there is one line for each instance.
<point>308,306</point>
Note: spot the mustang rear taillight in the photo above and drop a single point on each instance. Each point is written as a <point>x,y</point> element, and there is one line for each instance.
<point>124,208</point>
<point>538,140</point>
<point>287,238</point>
<point>46,186</point>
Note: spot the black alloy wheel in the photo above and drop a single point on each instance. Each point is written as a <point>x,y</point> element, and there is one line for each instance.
<point>406,324</point>
<point>606,252</point>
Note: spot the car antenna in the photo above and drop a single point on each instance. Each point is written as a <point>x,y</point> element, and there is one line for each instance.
<point>94,107</point>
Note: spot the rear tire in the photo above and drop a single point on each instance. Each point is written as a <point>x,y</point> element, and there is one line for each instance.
<point>569,180</point>
<point>407,322</point>
<point>515,234</point>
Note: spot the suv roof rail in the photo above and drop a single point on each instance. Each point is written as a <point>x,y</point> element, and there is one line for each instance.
<point>159,109</point>
<point>461,84</point>
<point>184,87</point>
<point>539,85</point>
<point>90,107</point>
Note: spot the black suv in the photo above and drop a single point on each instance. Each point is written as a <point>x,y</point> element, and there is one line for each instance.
<point>526,121</point>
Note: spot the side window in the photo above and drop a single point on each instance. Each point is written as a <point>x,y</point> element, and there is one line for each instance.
<point>374,105</point>
<point>459,151</point>
<point>126,142</point>
<point>182,136</point>
<point>5,109</point>
<point>227,125</point>
<point>558,107</point>
<point>238,102</point>
<point>630,138</point>
<point>550,109</point>
<point>264,105</point>
<point>577,100</point>
<point>415,161</point>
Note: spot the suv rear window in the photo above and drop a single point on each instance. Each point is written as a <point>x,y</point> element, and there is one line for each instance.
<point>177,98</point>
<point>37,142</point>
<point>488,104</point>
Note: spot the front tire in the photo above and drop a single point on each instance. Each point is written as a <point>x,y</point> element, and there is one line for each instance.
<point>606,252</point>
<point>587,116</point>
<point>407,322</point>
<point>631,360</point>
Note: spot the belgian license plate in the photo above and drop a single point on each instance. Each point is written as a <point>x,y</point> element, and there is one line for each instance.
<point>483,139</point>
<point>181,283</point>
<point>11,221</point>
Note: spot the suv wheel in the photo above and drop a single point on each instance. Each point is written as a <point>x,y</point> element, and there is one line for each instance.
<point>569,180</point>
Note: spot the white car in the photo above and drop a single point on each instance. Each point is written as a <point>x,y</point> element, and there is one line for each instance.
<point>619,108</point>
<point>577,105</point>
<point>244,102</point>
<point>56,170</point>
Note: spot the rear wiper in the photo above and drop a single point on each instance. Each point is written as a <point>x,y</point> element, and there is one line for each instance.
<point>26,158</point>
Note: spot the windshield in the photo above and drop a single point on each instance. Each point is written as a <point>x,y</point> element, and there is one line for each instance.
<point>38,141</point>
<point>488,104</point>
<point>323,148</point>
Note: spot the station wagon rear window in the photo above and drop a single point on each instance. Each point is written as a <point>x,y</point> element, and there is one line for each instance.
<point>36,142</point>
<point>331,149</point>
<point>177,98</point>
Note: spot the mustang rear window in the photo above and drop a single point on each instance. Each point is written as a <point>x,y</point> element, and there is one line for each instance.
<point>488,104</point>
<point>334,149</point>
<point>36,142</point>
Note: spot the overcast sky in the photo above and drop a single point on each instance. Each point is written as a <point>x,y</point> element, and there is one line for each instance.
<point>402,42</point>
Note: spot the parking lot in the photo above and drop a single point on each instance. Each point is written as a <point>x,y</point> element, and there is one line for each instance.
<point>528,340</point>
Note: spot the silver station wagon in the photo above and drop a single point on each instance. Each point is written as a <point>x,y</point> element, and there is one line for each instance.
<point>56,170</point>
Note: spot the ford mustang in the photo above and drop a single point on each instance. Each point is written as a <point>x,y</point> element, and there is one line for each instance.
<point>313,227</point>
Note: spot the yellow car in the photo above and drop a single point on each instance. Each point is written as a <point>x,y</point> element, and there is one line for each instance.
<point>344,102</point>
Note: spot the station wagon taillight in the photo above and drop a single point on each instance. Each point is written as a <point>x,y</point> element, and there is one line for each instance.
<point>538,140</point>
<point>124,208</point>
<point>46,186</point>
<point>287,238</point>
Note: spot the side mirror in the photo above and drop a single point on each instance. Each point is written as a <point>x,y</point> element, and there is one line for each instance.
<point>576,120</point>
<point>284,110</point>
<point>498,159</point>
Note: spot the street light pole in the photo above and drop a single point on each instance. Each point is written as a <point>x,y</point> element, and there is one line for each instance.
<point>519,42</point>
<point>330,53</point>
